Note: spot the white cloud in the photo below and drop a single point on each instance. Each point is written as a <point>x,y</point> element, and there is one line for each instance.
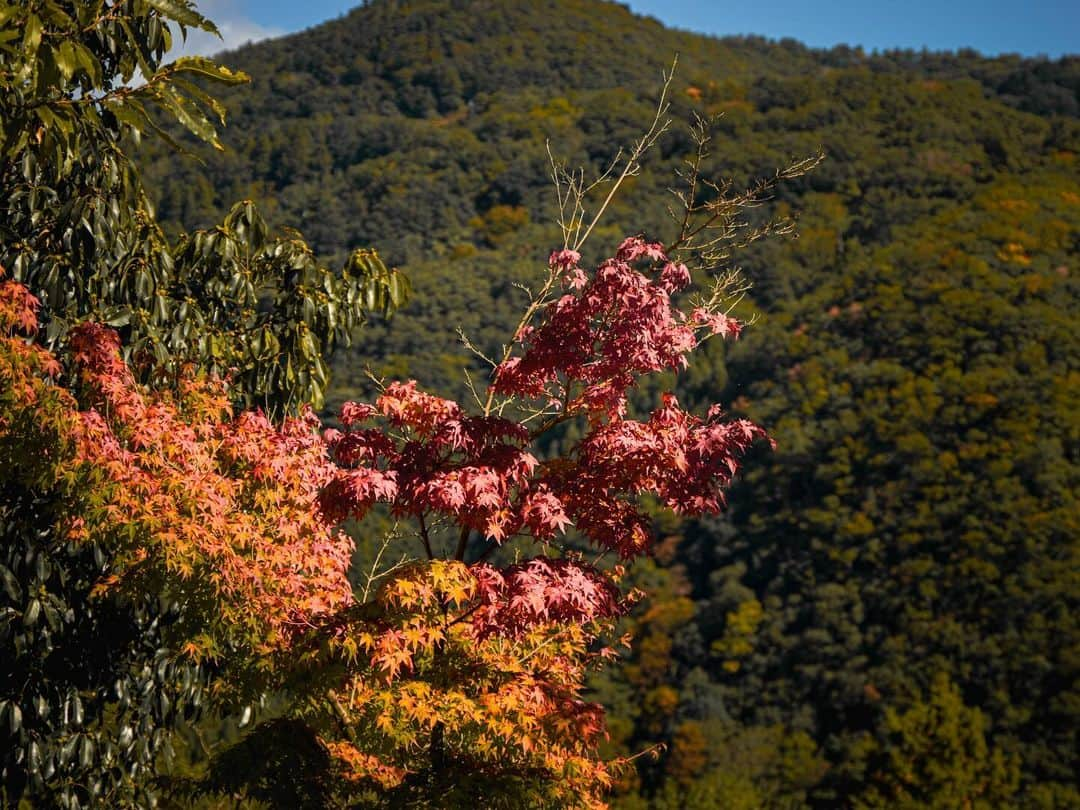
<point>236,29</point>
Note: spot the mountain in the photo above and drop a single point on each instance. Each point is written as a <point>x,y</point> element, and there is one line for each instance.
<point>887,615</point>
<point>340,116</point>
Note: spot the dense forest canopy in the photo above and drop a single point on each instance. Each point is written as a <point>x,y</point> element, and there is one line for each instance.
<point>886,616</point>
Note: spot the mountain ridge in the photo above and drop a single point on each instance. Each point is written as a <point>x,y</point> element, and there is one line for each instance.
<point>379,61</point>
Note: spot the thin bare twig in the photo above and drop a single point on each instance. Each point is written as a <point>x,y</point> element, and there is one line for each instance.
<point>712,222</point>
<point>468,344</point>
<point>632,165</point>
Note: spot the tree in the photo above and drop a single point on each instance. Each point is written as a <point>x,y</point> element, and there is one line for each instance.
<point>938,757</point>
<point>526,633</point>
<point>81,82</point>
<point>90,687</point>
<point>460,678</point>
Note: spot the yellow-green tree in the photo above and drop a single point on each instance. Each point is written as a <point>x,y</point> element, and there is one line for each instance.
<point>936,756</point>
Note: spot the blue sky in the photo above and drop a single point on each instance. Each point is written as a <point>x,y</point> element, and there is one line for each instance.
<point>1050,27</point>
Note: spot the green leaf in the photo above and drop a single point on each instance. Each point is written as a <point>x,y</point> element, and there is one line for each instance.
<point>196,92</point>
<point>128,111</point>
<point>185,111</point>
<point>208,68</point>
<point>67,750</point>
<point>33,611</point>
<point>33,757</point>
<point>58,18</point>
<point>31,37</point>
<point>131,112</point>
<point>14,718</point>
<point>182,13</point>
<point>400,289</point>
<point>10,584</point>
<point>73,709</point>
<point>86,751</point>
<point>66,59</point>
<point>88,62</point>
<point>135,49</point>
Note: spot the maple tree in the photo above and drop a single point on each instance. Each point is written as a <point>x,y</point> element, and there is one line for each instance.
<point>405,715</point>
<point>459,674</point>
<point>192,507</point>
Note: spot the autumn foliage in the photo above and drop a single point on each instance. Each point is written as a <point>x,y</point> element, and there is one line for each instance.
<point>217,505</point>
<point>457,672</point>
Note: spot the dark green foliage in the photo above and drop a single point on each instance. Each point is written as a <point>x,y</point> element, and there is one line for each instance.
<point>939,758</point>
<point>279,763</point>
<point>921,513</point>
<point>90,688</point>
<point>77,229</point>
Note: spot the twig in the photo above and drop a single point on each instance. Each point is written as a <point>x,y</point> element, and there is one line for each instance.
<point>631,167</point>
<point>468,344</point>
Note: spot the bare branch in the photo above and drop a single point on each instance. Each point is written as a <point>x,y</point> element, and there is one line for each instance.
<point>471,385</point>
<point>468,344</point>
<point>631,164</point>
<point>713,222</point>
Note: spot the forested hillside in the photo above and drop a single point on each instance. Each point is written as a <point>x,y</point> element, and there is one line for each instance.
<point>887,614</point>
